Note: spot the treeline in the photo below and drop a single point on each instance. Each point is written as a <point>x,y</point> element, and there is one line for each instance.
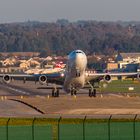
<point>62,37</point>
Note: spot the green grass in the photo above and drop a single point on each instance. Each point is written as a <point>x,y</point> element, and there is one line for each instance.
<point>119,86</point>
<point>70,128</point>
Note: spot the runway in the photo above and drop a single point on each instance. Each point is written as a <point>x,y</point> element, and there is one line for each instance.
<point>64,105</point>
<point>10,108</point>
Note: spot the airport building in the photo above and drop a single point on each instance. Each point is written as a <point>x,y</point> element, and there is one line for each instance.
<point>128,61</point>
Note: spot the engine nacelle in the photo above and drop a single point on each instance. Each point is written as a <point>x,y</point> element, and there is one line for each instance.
<point>107,78</point>
<point>138,76</point>
<point>6,79</point>
<point>43,79</point>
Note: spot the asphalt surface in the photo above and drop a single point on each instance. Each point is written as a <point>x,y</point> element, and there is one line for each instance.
<point>17,88</point>
<point>77,105</point>
<point>10,108</point>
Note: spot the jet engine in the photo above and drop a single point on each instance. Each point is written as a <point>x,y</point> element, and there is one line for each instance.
<point>42,79</point>
<point>6,79</point>
<point>107,78</point>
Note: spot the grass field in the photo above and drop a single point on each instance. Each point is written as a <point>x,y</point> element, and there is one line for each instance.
<point>120,86</point>
<point>68,129</point>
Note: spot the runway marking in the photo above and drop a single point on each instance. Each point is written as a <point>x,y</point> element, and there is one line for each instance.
<point>13,89</point>
<point>17,90</point>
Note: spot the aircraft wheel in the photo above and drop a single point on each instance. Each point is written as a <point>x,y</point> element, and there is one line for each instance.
<point>90,93</point>
<point>75,92</point>
<point>94,93</point>
<point>71,92</point>
<point>57,93</point>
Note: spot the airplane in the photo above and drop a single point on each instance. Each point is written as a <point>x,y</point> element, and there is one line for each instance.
<point>73,78</point>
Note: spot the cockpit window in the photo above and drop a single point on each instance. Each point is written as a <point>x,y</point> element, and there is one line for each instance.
<point>78,52</point>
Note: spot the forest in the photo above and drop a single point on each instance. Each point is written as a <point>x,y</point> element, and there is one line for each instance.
<point>62,36</point>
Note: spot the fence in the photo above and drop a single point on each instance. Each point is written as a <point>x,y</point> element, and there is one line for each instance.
<point>104,127</point>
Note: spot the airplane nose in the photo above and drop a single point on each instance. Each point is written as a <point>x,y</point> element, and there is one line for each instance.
<point>79,57</point>
<point>79,60</point>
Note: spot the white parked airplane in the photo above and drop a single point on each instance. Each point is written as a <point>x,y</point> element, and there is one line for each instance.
<point>73,78</point>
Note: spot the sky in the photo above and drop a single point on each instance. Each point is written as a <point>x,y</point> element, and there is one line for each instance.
<point>73,10</point>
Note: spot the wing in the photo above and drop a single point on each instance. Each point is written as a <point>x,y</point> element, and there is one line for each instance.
<point>8,77</point>
<point>107,76</point>
<point>42,78</point>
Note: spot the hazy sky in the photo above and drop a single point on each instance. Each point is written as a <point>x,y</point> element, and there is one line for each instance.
<point>51,10</point>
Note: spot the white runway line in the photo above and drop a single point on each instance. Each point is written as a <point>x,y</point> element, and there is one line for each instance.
<point>20,91</point>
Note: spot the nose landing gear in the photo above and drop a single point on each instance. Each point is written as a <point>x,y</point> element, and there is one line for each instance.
<point>73,91</point>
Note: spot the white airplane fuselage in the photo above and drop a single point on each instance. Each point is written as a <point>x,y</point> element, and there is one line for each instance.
<point>75,71</point>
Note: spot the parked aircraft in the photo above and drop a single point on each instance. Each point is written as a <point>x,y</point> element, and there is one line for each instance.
<point>73,78</point>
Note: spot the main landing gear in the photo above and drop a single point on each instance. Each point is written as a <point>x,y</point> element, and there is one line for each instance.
<point>92,90</point>
<point>55,92</point>
<point>92,93</point>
